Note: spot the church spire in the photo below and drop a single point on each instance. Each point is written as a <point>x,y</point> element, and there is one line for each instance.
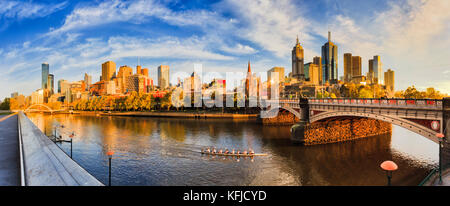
<point>249,70</point>
<point>329,36</point>
<point>297,39</point>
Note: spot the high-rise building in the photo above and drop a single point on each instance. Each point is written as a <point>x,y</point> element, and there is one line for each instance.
<point>279,77</point>
<point>330,61</point>
<point>312,73</point>
<point>318,61</point>
<point>138,69</point>
<point>356,66</point>
<point>163,76</point>
<point>298,61</point>
<point>145,72</point>
<point>122,77</point>
<point>87,81</point>
<point>389,80</point>
<point>108,70</point>
<point>50,83</point>
<point>63,85</point>
<point>370,73</point>
<point>377,70</point>
<point>45,72</point>
<point>347,67</point>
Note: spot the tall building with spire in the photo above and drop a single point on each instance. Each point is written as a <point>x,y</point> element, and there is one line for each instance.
<point>298,70</point>
<point>248,80</point>
<point>330,61</point>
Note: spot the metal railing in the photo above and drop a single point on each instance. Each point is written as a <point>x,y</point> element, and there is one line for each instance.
<point>435,104</point>
<point>427,178</point>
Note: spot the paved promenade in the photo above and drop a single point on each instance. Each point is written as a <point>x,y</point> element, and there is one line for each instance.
<point>9,151</point>
<point>445,179</point>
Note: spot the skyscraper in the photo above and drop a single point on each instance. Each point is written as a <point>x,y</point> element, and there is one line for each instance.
<point>298,62</point>
<point>45,72</point>
<point>370,74</point>
<point>377,70</point>
<point>389,80</point>
<point>330,61</point>
<point>163,76</point>
<point>318,61</point>
<point>356,66</point>
<point>108,70</point>
<point>347,67</point>
<point>50,83</point>
<point>122,78</point>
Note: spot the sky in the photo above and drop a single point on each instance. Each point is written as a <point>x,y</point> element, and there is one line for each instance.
<point>76,37</point>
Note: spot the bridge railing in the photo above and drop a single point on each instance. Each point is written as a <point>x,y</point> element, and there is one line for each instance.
<point>435,104</point>
<point>406,103</point>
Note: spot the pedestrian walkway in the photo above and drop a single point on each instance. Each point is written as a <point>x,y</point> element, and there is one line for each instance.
<point>445,179</point>
<point>9,151</point>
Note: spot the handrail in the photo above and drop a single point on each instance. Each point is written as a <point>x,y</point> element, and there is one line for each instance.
<point>428,176</point>
<point>22,165</point>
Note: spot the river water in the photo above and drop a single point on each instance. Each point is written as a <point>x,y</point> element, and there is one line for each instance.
<point>165,151</point>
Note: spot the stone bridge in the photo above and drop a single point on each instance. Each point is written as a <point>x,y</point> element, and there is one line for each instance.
<point>426,117</point>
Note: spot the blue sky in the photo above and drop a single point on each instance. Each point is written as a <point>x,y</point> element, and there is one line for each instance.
<point>75,37</point>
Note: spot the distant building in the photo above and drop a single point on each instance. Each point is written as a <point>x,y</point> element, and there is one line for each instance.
<point>138,83</point>
<point>45,73</point>
<point>63,85</point>
<point>377,70</point>
<point>271,74</point>
<point>87,81</point>
<point>163,76</point>
<point>298,61</point>
<point>356,66</point>
<point>318,61</point>
<point>122,76</point>
<point>347,67</point>
<point>312,74</point>
<point>145,72</point>
<point>108,70</point>
<point>37,97</point>
<point>14,94</point>
<point>330,61</point>
<point>389,80</point>
<point>50,83</point>
<point>138,69</point>
<point>370,73</point>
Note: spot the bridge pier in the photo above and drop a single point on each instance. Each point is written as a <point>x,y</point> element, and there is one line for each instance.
<point>298,129</point>
<point>445,155</point>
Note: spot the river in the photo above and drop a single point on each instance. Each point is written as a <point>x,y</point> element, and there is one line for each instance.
<point>165,151</point>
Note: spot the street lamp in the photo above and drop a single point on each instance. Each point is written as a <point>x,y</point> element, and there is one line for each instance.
<point>440,136</point>
<point>389,167</point>
<point>110,154</point>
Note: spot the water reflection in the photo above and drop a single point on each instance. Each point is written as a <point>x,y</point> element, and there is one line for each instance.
<point>165,151</point>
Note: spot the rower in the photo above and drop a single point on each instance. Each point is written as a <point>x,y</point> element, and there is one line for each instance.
<point>226,151</point>
<point>245,152</point>
<point>220,151</point>
<point>232,151</point>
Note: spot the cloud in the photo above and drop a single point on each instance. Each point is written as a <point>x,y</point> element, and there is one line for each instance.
<point>239,49</point>
<point>23,10</point>
<point>136,12</point>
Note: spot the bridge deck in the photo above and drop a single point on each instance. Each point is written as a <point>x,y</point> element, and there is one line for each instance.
<point>9,152</point>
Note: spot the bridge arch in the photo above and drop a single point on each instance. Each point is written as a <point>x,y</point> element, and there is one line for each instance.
<point>50,109</point>
<point>407,124</point>
<point>272,112</point>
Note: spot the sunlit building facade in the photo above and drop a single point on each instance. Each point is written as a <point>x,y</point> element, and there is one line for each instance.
<point>330,61</point>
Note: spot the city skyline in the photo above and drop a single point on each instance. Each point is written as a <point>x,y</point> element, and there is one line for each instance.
<point>73,46</point>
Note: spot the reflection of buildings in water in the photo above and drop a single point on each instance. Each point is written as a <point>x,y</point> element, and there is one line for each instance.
<point>173,130</point>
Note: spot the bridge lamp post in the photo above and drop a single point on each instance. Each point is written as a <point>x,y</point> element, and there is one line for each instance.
<point>440,136</point>
<point>389,167</point>
<point>110,154</point>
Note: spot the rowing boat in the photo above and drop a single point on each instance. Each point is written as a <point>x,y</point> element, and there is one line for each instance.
<point>237,155</point>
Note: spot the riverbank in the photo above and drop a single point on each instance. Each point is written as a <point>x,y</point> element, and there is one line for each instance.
<point>204,115</point>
